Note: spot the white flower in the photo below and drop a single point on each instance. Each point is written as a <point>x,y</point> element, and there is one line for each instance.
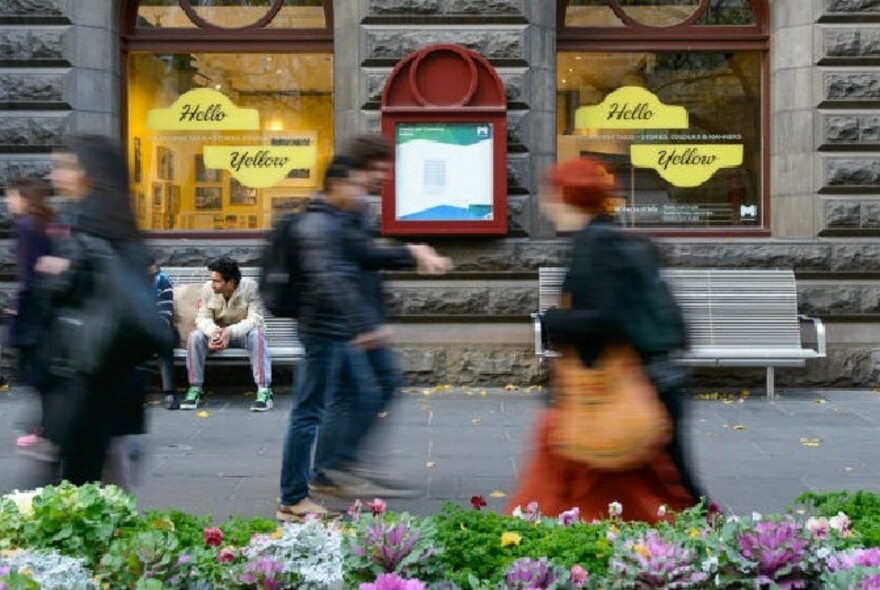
<point>823,552</point>
<point>661,512</point>
<point>818,527</point>
<point>710,565</point>
<point>840,523</point>
<point>756,516</point>
<point>24,501</point>
<point>312,550</point>
<point>733,518</point>
<point>518,512</point>
<point>51,570</point>
<point>615,509</point>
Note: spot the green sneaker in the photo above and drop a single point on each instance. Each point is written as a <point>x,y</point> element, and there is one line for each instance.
<point>193,399</point>
<point>263,403</point>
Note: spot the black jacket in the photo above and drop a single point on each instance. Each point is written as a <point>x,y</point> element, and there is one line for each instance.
<point>336,257</point>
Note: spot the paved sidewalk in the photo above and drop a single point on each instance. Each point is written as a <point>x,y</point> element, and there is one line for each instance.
<point>750,454</point>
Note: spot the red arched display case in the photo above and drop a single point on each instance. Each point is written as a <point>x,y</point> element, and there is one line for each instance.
<point>445,111</point>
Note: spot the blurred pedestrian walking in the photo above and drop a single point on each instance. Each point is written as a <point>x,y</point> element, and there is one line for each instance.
<point>104,318</point>
<point>614,301</point>
<point>27,201</point>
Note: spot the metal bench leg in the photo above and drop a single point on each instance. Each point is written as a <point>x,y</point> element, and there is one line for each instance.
<point>771,391</point>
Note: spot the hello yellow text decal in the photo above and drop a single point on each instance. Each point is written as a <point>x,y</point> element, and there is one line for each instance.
<point>687,165</point>
<point>259,166</point>
<point>631,107</point>
<point>203,109</point>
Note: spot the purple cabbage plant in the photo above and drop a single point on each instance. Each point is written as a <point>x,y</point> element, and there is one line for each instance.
<point>653,561</point>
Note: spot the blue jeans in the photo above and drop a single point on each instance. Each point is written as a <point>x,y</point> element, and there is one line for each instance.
<point>364,412</point>
<point>328,363</point>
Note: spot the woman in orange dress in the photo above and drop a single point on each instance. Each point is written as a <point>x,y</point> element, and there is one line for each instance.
<point>606,285</point>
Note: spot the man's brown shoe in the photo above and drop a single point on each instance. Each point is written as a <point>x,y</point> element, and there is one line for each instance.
<point>299,511</point>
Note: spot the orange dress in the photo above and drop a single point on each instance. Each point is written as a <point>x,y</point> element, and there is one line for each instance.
<point>558,484</point>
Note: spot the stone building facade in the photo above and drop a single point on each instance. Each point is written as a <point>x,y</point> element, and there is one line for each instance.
<point>61,72</point>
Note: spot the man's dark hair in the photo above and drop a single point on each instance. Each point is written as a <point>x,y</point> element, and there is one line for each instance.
<point>339,168</point>
<point>227,268</point>
<point>364,150</point>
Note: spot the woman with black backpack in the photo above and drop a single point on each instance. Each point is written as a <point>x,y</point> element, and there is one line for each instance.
<point>98,285</point>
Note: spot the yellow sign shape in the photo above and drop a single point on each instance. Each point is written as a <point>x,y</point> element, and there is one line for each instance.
<point>687,165</point>
<point>631,107</point>
<point>203,109</point>
<point>260,166</point>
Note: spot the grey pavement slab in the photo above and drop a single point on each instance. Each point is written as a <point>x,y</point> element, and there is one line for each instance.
<point>749,453</point>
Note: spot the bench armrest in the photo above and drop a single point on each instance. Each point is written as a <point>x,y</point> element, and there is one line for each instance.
<point>541,349</point>
<point>821,339</point>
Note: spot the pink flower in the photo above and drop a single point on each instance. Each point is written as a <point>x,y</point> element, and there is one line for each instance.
<point>569,517</point>
<point>377,506</point>
<point>840,523</point>
<point>213,536</point>
<point>578,576</point>
<point>393,582</point>
<point>819,527</point>
<point>227,555</point>
<point>478,502</point>
<point>354,511</point>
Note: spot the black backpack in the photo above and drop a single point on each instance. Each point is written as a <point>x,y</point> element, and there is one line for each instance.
<point>281,277</point>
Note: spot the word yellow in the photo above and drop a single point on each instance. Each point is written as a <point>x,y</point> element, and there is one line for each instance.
<point>687,165</point>
<point>260,166</point>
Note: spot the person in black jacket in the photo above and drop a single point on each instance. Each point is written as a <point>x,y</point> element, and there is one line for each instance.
<point>90,405</point>
<point>336,323</point>
<point>616,298</point>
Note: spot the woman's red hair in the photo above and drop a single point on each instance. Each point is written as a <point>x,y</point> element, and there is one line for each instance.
<point>584,183</point>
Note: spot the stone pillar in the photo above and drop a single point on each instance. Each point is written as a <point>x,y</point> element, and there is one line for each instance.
<point>347,90</point>
<point>540,50</point>
<point>793,202</point>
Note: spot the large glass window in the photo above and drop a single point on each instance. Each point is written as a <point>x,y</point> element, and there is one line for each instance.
<point>229,113</point>
<point>671,94</point>
<point>266,165</point>
<point>721,97</point>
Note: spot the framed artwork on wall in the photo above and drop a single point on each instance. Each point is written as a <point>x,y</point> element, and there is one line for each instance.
<point>241,195</point>
<point>206,174</point>
<point>158,194</point>
<point>208,198</point>
<point>164,163</point>
<point>136,165</point>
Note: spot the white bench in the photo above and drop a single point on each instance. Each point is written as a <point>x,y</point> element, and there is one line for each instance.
<point>281,337</point>
<point>744,318</point>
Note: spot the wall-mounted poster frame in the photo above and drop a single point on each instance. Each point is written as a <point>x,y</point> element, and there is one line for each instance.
<point>445,111</point>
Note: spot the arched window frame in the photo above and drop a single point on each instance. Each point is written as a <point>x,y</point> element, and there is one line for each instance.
<point>687,36</point>
<point>205,37</point>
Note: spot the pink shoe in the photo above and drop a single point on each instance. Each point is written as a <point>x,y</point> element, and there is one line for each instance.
<point>27,441</point>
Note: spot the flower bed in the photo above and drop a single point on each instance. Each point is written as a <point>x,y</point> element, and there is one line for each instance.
<point>90,537</point>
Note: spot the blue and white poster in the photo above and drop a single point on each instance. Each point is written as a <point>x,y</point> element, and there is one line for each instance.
<point>443,171</point>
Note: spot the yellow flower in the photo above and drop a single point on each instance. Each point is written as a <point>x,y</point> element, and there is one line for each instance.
<point>509,538</point>
<point>642,550</point>
<point>694,533</point>
<point>26,571</point>
<point>276,534</point>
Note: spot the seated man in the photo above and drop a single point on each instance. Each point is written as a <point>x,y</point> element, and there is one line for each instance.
<point>230,313</point>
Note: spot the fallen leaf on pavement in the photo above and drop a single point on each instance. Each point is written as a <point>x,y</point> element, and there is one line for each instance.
<point>429,464</point>
<point>497,494</point>
<point>811,442</point>
<point>203,414</point>
<point>819,401</point>
<point>510,387</point>
<point>739,427</point>
<point>484,393</point>
<point>476,421</point>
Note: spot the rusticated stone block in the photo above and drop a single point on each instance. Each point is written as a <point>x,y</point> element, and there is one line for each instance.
<point>516,214</point>
<point>828,300</point>
<point>487,366</point>
<point>870,127</point>
<point>840,43</point>
<point>32,131</point>
<point>852,6</point>
<point>861,172</point>
<point>493,44</point>
<point>871,215</point>
<point>493,7</point>
<point>31,87</point>
<point>422,361</point>
<point>746,255</point>
<point>440,300</point>
<point>856,86</point>
<point>514,87</point>
<point>842,214</point>
<point>512,300</point>
<point>855,257</point>
<point>844,129</point>
<point>518,173</point>
<point>34,7</point>
<point>31,44</point>
<point>518,127</point>
<point>13,168</point>
<point>870,299</point>
<point>199,255</point>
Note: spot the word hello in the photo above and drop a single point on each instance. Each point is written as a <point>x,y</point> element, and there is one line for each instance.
<point>197,112</point>
<point>688,157</point>
<point>261,159</point>
<point>624,112</point>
